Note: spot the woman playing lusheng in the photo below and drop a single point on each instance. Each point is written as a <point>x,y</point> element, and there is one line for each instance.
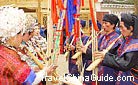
<point>126,60</point>
<point>109,23</point>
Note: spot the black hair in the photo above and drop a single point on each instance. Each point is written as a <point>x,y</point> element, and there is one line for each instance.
<point>18,32</point>
<point>130,20</point>
<point>111,18</point>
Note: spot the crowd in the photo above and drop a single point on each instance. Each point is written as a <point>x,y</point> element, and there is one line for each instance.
<point>22,60</point>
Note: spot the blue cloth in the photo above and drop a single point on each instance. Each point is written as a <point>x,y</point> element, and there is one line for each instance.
<point>117,30</point>
<point>30,79</point>
<point>83,23</point>
<point>71,10</point>
<point>42,33</point>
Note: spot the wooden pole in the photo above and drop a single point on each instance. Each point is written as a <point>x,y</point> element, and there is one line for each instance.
<point>39,11</point>
<point>49,36</point>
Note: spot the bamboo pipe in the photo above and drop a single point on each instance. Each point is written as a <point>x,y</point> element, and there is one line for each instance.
<point>37,51</point>
<point>87,44</point>
<point>40,65</point>
<point>42,55</point>
<point>97,61</point>
<point>54,74</point>
<point>41,50</point>
<point>67,53</point>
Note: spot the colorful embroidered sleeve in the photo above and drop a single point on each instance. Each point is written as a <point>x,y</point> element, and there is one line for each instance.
<point>30,79</point>
<point>123,63</point>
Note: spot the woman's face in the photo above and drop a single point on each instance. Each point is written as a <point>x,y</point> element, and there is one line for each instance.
<point>18,39</point>
<point>107,26</point>
<point>26,37</point>
<point>124,31</point>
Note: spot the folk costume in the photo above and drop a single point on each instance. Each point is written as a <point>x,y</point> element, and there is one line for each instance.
<point>13,70</point>
<point>73,68</point>
<point>126,60</point>
<point>103,42</point>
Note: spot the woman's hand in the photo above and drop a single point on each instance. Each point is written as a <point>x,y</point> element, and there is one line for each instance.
<point>98,54</point>
<point>50,69</point>
<point>36,68</point>
<point>72,47</point>
<point>84,49</point>
<point>69,48</point>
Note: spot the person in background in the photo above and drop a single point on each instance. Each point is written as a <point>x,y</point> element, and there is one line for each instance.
<point>45,32</point>
<point>98,24</point>
<point>42,30</point>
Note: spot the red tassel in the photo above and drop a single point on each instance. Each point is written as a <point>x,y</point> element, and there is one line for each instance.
<point>93,16</point>
<point>75,2</point>
<point>66,25</point>
<point>75,31</point>
<point>95,0</point>
<point>54,12</point>
<point>78,28</point>
<point>61,5</point>
<point>82,2</point>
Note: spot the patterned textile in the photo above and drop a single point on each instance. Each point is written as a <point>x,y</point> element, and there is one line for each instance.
<point>104,42</point>
<point>13,70</point>
<point>129,45</point>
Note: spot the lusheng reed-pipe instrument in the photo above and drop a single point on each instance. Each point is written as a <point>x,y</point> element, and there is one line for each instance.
<point>97,61</point>
<point>87,44</point>
<point>54,74</point>
<point>43,55</point>
<point>40,65</point>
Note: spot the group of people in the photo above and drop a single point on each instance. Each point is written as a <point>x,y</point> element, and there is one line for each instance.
<point>18,44</point>
<point>120,63</point>
<point>16,49</point>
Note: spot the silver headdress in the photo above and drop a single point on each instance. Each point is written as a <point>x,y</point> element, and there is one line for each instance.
<point>12,21</point>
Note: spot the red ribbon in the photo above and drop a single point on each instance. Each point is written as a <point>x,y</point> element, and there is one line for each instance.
<point>77,28</point>
<point>54,12</point>
<point>60,5</point>
<point>93,16</point>
<point>75,2</point>
<point>95,0</point>
<point>82,2</point>
<point>67,25</point>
